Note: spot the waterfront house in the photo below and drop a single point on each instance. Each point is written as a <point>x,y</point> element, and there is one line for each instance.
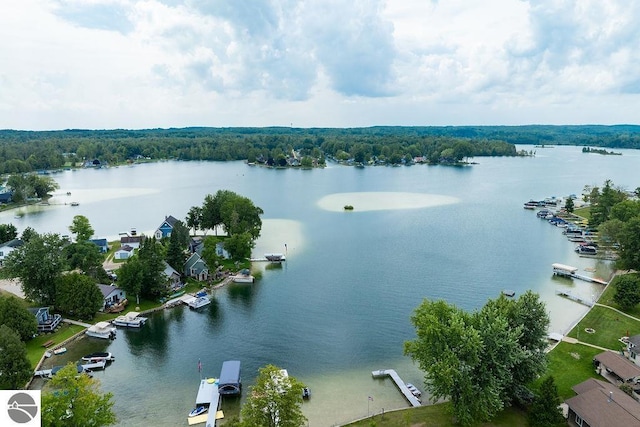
<point>101,244</point>
<point>111,295</point>
<point>633,347</point>
<point>7,247</point>
<point>172,276</point>
<point>196,267</point>
<point>47,322</point>
<point>125,252</point>
<point>601,404</point>
<point>133,241</point>
<point>165,229</point>
<point>616,368</point>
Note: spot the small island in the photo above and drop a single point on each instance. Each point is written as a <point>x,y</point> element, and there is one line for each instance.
<point>348,207</point>
<point>600,151</point>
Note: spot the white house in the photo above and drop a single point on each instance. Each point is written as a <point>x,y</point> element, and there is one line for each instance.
<point>112,295</point>
<point>124,252</point>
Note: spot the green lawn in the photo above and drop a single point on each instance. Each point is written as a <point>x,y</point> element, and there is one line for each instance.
<point>570,364</point>
<point>34,346</point>
<point>438,416</point>
<point>583,212</point>
<point>607,299</point>
<point>609,326</point>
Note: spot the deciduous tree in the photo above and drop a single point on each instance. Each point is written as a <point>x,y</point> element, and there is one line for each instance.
<point>39,264</point>
<point>81,227</point>
<point>627,294</point>
<point>70,399</point>
<point>482,360</point>
<point>15,315</point>
<point>78,295</point>
<point>8,232</point>
<point>15,369</point>
<point>194,218</point>
<point>130,277</point>
<point>85,256</point>
<point>274,401</point>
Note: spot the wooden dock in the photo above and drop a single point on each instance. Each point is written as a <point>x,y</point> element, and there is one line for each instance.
<point>575,298</point>
<point>399,383</point>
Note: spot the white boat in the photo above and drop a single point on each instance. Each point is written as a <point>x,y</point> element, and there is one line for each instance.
<point>60,350</point>
<point>414,390</point>
<point>104,330</point>
<point>198,410</point>
<point>98,356</point>
<point>199,302</point>
<point>130,320</point>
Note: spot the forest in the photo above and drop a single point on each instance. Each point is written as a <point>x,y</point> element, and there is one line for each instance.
<point>26,151</point>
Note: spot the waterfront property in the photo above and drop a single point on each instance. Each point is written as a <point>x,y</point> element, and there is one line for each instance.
<point>196,268</point>
<point>601,404</point>
<point>165,229</point>
<point>112,295</point>
<point>617,369</point>
<point>230,381</point>
<point>47,322</point>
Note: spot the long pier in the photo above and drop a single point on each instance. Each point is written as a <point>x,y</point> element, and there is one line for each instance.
<point>575,298</point>
<point>399,383</point>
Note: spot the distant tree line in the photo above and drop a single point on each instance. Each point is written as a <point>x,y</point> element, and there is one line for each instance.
<point>26,151</point>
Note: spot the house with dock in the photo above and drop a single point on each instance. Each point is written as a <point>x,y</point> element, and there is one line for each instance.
<point>111,295</point>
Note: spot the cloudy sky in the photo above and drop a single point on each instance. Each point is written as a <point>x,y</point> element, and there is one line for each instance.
<point>103,64</point>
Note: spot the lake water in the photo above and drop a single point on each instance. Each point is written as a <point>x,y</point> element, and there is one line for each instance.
<point>340,306</point>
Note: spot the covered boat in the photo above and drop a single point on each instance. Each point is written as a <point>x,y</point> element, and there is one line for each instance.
<point>130,320</point>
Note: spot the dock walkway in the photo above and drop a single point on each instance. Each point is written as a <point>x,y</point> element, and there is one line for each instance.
<point>575,298</point>
<point>399,383</point>
<point>569,271</point>
<point>209,396</point>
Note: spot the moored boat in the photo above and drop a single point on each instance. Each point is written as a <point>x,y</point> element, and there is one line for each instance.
<point>130,320</point>
<point>198,410</point>
<point>275,257</point>
<point>104,330</point>
<point>414,390</point>
<point>98,356</point>
<point>243,276</point>
<point>60,350</point>
<point>199,302</point>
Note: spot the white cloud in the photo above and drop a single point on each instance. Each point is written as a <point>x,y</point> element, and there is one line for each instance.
<point>164,63</point>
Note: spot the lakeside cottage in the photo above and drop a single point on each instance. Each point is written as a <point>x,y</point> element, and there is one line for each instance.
<point>111,295</point>
<point>173,277</point>
<point>164,230</point>
<point>101,244</point>
<point>47,322</point>
<point>633,347</point>
<point>125,252</point>
<point>196,267</point>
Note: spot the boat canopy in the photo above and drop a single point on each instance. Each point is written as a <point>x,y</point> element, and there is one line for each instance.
<point>229,382</point>
<point>102,325</point>
<point>131,315</point>
<point>565,268</point>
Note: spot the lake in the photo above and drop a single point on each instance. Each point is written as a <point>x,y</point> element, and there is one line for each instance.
<point>340,306</point>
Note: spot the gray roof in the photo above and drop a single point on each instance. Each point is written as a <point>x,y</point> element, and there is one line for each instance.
<point>15,243</point>
<point>603,404</point>
<point>618,365</point>
<point>635,340</point>
<point>107,289</point>
<point>230,373</point>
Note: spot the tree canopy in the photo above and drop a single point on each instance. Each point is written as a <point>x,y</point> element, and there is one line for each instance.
<point>81,227</point>
<point>15,369</point>
<point>15,315</point>
<point>545,410</point>
<point>482,360</point>
<point>274,401</point>
<point>78,295</point>
<point>627,291</point>
<point>8,232</point>
<point>39,264</point>
<point>70,399</point>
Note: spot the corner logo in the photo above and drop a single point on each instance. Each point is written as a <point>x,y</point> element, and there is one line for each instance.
<point>22,408</point>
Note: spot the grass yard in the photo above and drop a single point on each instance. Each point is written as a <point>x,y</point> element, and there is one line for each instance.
<point>570,364</point>
<point>583,212</point>
<point>609,326</point>
<point>34,346</point>
<point>607,299</point>
<point>438,416</point>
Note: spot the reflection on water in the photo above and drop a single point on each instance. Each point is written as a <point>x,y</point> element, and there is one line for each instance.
<point>242,293</point>
<point>152,338</point>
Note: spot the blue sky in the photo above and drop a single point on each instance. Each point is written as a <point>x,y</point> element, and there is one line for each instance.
<point>103,64</point>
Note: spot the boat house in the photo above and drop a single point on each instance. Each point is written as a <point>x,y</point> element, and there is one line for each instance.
<point>229,381</point>
<point>564,270</point>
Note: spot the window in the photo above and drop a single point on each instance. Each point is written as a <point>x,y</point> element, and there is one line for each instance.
<point>578,420</point>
